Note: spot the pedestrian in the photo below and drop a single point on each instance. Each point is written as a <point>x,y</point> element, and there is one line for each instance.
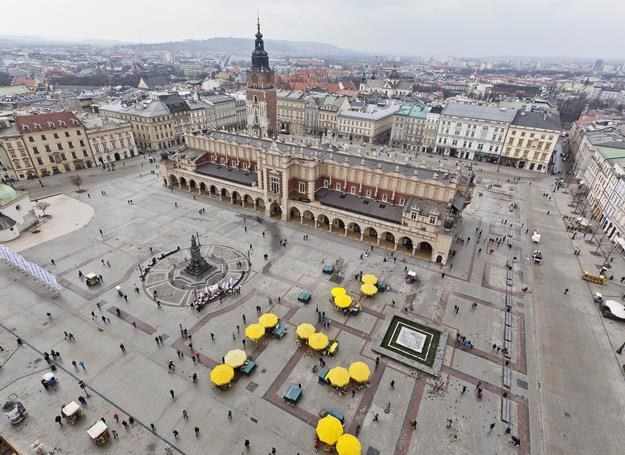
<point>508,430</point>
<point>82,365</point>
<point>175,432</point>
<point>479,383</point>
<point>75,364</point>
<point>116,417</point>
<point>82,400</point>
<point>194,377</point>
<point>126,298</point>
<point>59,420</point>
<point>393,384</point>
<point>212,336</point>
<point>185,414</point>
<point>377,361</point>
<point>376,418</point>
<point>122,347</point>
<point>492,427</point>
<point>449,422</point>
<point>104,319</point>
<point>566,291</point>
<point>197,432</point>
<point>52,262</point>
<point>464,389</point>
<point>125,424</point>
<point>171,392</point>
<point>353,393</point>
<point>414,424</point>
<point>229,414</point>
<point>246,444</point>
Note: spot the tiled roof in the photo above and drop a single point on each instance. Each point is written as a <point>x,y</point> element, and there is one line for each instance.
<point>46,122</point>
<point>538,120</point>
<point>479,112</point>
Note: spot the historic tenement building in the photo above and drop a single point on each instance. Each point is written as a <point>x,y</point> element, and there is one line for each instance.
<point>399,207</point>
<point>261,98</point>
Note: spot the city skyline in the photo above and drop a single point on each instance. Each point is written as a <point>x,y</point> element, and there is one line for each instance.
<point>446,28</point>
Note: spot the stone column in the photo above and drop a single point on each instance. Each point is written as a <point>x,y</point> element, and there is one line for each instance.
<point>330,227</point>
<point>362,235</point>
<point>232,199</point>
<point>414,249</point>
<point>379,240</point>
<point>301,219</point>
<point>346,230</point>
<point>316,223</point>
<point>396,243</point>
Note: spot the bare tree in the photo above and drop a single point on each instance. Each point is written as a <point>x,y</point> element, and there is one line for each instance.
<point>43,206</point>
<point>76,180</point>
<point>339,267</point>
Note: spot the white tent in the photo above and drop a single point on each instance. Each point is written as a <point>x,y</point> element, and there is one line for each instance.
<point>616,308</point>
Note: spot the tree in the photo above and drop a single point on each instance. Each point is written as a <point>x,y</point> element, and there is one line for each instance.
<point>76,180</point>
<point>43,206</point>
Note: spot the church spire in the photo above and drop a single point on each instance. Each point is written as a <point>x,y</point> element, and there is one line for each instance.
<point>260,59</point>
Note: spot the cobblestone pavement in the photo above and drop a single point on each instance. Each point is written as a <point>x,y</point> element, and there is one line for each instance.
<point>560,388</point>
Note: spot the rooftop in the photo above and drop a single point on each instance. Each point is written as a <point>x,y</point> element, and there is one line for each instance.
<point>414,110</point>
<point>538,120</point>
<point>377,115</point>
<point>46,122</point>
<point>229,174</point>
<point>495,114</point>
<point>363,206</point>
<point>340,157</point>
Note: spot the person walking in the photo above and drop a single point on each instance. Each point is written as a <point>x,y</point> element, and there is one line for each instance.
<point>171,392</point>
<point>229,414</point>
<point>175,432</point>
<point>491,427</point>
<point>185,414</point>
<point>197,432</point>
<point>153,428</point>
<point>125,424</point>
<point>376,418</point>
<point>82,365</point>
<point>393,384</point>
<point>75,364</point>
<point>116,417</point>
<point>122,347</point>
<point>566,291</point>
<point>246,444</point>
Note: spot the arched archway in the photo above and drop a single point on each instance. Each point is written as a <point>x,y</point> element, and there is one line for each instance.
<point>295,215</point>
<point>260,205</point>
<point>309,218</point>
<point>439,259</point>
<point>173,181</point>
<point>387,240</point>
<point>370,235</point>
<point>424,251</point>
<point>248,202</point>
<point>202,188</point>
<point>338,226</point>
<point>213,190</point>
<point>354,231</point>
<point>275,210</point>
<point>225,195</point>
<point>236,198</point>
<point>323,221</point>
<point>183,184</point>
<point>405,245</point>
<point>192,186</point>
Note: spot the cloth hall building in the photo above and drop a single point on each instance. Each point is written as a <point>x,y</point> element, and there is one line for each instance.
<point>399,207</point>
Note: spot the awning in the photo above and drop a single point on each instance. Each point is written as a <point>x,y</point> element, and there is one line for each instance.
<point>616,308</point>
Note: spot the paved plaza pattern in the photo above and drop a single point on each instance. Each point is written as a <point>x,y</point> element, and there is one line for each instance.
<point>544,362</point>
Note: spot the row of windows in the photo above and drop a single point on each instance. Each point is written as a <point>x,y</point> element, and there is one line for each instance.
<point>56,136</point>
<point>59,146</point>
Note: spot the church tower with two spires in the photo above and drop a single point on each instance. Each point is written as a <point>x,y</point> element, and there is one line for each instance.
<point>261,99</point>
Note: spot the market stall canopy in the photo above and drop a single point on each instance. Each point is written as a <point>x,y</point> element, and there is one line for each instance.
<point>329,429</point>
<point>343,301</point>
<point>359,371</point>
<point>305,330</point>
<point>222,374</point>
<point>338,291</point>
<point>371,279</point>
<point>318,341</point>
<point>368,289</point>
<point>348,444</point>
<point>254,332</point>
<point>235,358</point>
<point>338,376</point>
<point>97,429</point>
<point>616,308</point>
<point>70,408</point>
<point>268,320</point>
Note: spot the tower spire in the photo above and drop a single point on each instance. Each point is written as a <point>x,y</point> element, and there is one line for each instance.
<point>258,21</point>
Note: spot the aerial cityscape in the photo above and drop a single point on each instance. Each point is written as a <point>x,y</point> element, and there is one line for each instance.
<point>286,235</point>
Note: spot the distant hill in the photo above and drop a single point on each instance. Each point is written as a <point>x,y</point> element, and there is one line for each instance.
<point>242,46</point>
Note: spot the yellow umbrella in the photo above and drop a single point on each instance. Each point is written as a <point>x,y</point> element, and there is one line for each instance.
<point>348,444</point>
<point>329,429</point>
<point>338,376</point>
<point>305,330</point>
<point>235,358</point>
<point>254,332</point>
<point>318,341</point>
<point>342,301</point>
<point>368,289</point>
<point>371,279</point>
<point>268,320</point>
<point>359,371</point>
<point>222,374</point>
<point>338,291</point>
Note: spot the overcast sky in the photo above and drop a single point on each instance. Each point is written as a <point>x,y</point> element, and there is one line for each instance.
<point>577,28</point>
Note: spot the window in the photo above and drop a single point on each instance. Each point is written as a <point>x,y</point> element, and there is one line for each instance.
<point>78,132</point>
<point>384,197</point>
<point>352,190</point>
<point>63,157</point>
<point>56,135</point>
<point>368,193</point>
<point>48,149</point>
<point>302,187</point>
<point>43,137</point>
<point>66,133</point>
<point>274,184</point>
<point>35,151</point>
<point>59,146</point>
<point>338,186</point>
<point>74,155</point>
<point>413,214</point>
<point>40,161</point>
<point>402,201</point>
<point>31,139</point>
<point>71,145</point>
<point>432,219</point>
